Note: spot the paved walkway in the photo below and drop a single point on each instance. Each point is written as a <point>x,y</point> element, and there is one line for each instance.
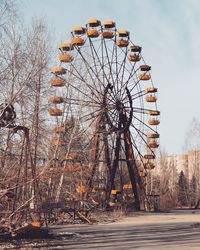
<point>162,231</point>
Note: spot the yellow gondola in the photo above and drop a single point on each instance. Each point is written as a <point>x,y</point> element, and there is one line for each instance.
<point>151,90</point>
<point>134,58</point>
<point>153,122</point>
<point>58,70</point>
<point>55,99</point>
<point>108,31</point>
<point>58,129</point>
<point>65,58</point>
<point>145,67</point>
<point>127,186</point>
<point>78,41</point>
<point>65,46</point>
<point>154,112</point>
<point>124,37</point>
<point>108,24</point>
<point>93,23</point>
<point>115,191</point>
<point>149,156</point>
<point>122,43</point>
<point>123,33</point>
<point>107,34</point>
<point>135,48</point>
<point>55,112</point>
<point>153,135</point>
<point>149,165</point>
<point>57,142</point>
<point>153,144</point>
<point>57,82</point>
<point>144,77</point>
<point>92,33</point>
<point>76,30</point>
<point>150,98</point>
<point>142,173</point>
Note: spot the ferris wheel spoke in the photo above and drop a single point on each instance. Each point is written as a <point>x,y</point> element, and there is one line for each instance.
<point>111,112</point>
<point>94,62</point>
<point>138,130</point>
<point>139,110</point>
<point>138,151</point>
<point>102,59</point>
<point>89,69</point>
<point>115,118</point>
<point>100,63</point>
<point>138,94</point>
<point>85,130</point>
<point>143,58</point>
<point>122,67</point>
<point>136,83</point>
<point>112,120</point>
<point>92,114</point>
<point>141,122</point>
<point>133,66</point>
<point>82,105</point>
<point>142,110</point>
<point>111,102</point>
<point>116,66</point>
<point>112,95</point>
<point>93,56</point>
<point>109,63</point>
<point>80,77</point>
<point>80,101</point>
<point>131,74</point>
<point>84,93</point>
<point>145,142</point>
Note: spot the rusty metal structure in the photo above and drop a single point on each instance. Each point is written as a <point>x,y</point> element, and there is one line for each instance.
<point>104,83</point>
<point>20,196</point>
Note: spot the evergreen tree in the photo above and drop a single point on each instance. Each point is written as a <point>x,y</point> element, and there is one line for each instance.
<point>182,190</point>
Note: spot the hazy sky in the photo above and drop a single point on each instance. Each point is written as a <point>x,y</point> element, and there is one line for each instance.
<point>168,31</point>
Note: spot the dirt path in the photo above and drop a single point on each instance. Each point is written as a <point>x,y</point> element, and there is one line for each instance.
<point>144,231</point>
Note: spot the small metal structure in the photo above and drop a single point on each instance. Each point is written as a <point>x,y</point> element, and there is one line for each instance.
<point>20,193</point>
<point>7,115</point>
<point>109,90</point>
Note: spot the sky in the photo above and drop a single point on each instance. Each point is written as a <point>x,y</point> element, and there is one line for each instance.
<point>167,30</point>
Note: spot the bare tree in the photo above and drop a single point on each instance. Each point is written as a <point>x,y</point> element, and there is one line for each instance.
<point>166,180</point>
<point>192,148</point>
<point>8,15</point>
<point>192,138</point>
<point>24,81</point>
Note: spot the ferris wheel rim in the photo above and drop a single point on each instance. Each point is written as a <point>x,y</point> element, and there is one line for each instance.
<point>97,75</point>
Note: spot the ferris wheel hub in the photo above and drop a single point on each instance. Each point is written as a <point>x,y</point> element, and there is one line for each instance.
<point>119,106</point>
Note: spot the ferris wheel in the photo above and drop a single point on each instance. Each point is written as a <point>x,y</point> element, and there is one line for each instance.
<point>103,82</point>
